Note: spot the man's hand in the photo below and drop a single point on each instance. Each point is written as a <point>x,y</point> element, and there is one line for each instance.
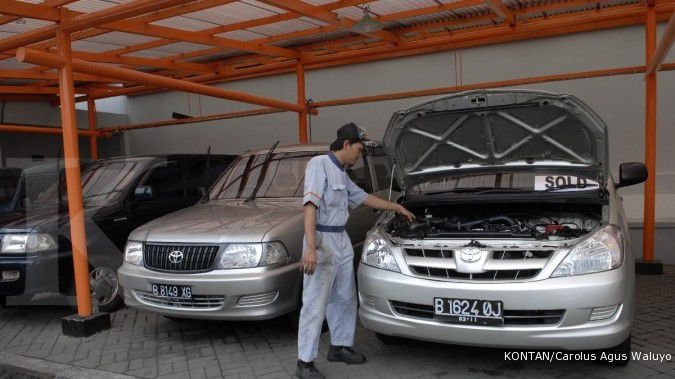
<point>377,203</point>
<point>309,260</point>
<point>405,213</point>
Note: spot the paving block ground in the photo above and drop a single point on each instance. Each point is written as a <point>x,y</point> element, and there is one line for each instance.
<point>149,346</point>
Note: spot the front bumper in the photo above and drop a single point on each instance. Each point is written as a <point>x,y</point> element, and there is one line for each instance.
<point>36,274</point>
<point>238,294</point>
<point>577,296</point>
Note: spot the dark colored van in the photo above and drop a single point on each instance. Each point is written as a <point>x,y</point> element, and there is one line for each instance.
<point>119,194</point>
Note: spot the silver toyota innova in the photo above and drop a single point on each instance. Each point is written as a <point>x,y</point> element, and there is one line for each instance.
<point>235,255</point>
<point>520,238</point>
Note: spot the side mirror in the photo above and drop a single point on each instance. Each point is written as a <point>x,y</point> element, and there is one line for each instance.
<point>144,193</point>
<point>631,173</point>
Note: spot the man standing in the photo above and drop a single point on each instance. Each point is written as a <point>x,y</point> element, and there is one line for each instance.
<point>328,258</point>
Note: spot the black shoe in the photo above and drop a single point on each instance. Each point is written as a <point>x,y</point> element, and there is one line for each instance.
<point>308,370</point>
<point>345,354</point>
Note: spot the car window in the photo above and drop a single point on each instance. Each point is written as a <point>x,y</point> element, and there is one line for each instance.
<point>283,176</point>
<point>102,182</point>
<point>166,181</point>
<point>360,175</point>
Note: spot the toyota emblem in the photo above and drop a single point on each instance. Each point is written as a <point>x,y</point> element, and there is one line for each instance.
<point>176,256</point>
<point>470,254</point>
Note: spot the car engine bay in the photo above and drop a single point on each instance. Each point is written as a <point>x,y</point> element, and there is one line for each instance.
<point>551,222</point>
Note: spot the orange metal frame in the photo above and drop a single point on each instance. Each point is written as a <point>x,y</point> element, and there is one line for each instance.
<point>463,23</point>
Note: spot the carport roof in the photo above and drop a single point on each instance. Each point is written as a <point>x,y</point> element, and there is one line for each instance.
<point>209,41</point>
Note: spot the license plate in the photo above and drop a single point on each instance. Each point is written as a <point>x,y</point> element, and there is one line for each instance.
<point>172,291</point>
<point>469,311</point>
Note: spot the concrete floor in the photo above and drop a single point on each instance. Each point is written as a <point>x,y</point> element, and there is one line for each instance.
<point>145,345</point>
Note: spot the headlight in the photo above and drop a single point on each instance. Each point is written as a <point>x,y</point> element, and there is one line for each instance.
<point>602,251</point>
<point>133,253</point>
<point>247,255</point>
<point>377,253</point>
<point>26,243</point>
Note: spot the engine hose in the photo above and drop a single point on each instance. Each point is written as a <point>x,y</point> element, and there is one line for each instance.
<point>468,224</point>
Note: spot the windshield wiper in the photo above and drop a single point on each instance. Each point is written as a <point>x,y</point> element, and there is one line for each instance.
<point>263,172</point>
<point>481,190</point>
<point>566,186</point>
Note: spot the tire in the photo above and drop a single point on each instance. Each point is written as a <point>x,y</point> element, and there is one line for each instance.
<point>617,354</point>
<point>3,301</point>
<point>388,340</point>
<point>105,285</point>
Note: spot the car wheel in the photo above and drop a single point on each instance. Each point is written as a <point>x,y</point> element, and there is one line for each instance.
<point>618,355</point>
<point>388,340</point>
<point>105,288</point>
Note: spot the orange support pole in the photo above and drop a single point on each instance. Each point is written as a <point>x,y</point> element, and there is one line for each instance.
<point>650,140</point>
<point>93,140</point>
<point>47,59</point>
<point>73,178</point>
<point>302,101</point>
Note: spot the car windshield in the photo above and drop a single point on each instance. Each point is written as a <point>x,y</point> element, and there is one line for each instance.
<point>506,182</point>
<point>282,176</point>
<point>102,182</point>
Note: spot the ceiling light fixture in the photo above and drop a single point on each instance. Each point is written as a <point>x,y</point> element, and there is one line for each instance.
<point>367,24</point>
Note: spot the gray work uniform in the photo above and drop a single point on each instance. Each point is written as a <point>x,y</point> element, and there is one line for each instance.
<point>330,292</point>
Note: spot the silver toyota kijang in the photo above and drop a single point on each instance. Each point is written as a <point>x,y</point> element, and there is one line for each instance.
<point>520,239</point>
<point>235,255</point>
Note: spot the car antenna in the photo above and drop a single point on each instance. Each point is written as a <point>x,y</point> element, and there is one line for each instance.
<point>263,171</point>
<point>207,177</point>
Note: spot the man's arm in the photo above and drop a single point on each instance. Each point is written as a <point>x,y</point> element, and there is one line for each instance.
<point>309,255</point>
<point>377,203</point>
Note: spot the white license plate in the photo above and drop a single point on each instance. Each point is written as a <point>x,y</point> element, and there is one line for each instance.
<point>469,311</point>
<point>172,291</point>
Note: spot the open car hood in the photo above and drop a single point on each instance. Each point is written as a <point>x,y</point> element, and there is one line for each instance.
<point>496,130</point>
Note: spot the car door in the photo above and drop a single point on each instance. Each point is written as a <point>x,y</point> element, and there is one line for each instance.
<point>162,191</point>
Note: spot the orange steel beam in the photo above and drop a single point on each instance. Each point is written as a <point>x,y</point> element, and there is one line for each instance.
<point>47,59</point>
<point>18,128</point>
<point>191,120</point>
<point>502,11</point>
<point>51,3</point>
<point>71,21</point>
<point>323,29</point>
<point>327,16</point>
<point>29,74</point>
<point>111,18</point>
<point>494,84</point>
<point>663,48</point>
<point>550,26</point>
<point>147,62</point>
<point>154,16</point>
<point>650,140</point>
<point>231,27</point>
<point>302,101</point>
<point>400,95</point>
<point>71,154</point>
<point>29,97</point>
<point>34,90</point>
<point>93,140</point>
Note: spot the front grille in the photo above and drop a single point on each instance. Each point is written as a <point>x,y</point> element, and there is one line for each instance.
<point>196,258</point>
<point>511,316</point>
<point>506,264</point>
<point>205,302</point>
<point>258,299</point>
